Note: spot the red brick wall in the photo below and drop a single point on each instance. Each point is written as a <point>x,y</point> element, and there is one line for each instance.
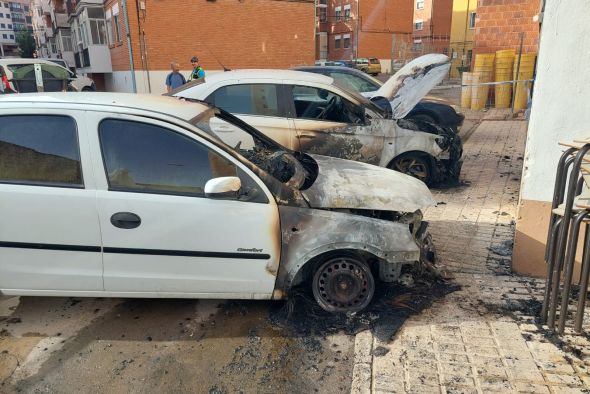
<point>241,34</point>
<point>499,23</point>
<point>436,18</point>
<point>376,21</point>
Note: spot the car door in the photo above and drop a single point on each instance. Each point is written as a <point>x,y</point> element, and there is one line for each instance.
<point>161,235</point>
<point>259,104</point>
<point>331,125</point>
<point>49,231</point>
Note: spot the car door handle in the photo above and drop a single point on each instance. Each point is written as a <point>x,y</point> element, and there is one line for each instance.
<point>307,135</point>
<point>126,220</point>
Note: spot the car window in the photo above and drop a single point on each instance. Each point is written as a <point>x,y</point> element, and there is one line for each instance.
<point>353,82</point>
<point>39,150</point>
<point>374,61</point>
<point>24,79</point>
<point>254,99</point>
<point>142,157</point>
<point>322,104</point>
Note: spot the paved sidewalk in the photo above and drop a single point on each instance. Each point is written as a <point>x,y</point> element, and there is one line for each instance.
<point>482,338</point>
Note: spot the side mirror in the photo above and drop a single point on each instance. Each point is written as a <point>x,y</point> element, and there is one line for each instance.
<point>226,187</point>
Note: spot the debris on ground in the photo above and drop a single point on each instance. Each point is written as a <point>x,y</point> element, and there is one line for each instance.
<point>503,249</point>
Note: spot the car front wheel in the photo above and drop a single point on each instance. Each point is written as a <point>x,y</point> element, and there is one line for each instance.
<point>343,284</point>
<point>413,164</point>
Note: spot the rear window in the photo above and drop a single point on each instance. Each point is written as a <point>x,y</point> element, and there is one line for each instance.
<point>55,78</point>
<point>374,61</point>
<point>39,150</point>
<point>254,99</point>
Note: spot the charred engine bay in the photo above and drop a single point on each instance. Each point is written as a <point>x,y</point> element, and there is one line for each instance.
<point>298,171</point>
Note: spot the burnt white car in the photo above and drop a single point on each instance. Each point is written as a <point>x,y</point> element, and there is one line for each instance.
<point>124,195</point>
<point>313,113</point>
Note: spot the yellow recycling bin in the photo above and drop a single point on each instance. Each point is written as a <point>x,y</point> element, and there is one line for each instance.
<point>482,73</point>
<point>503,72</point>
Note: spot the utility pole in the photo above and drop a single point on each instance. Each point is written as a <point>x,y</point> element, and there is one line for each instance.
<point>1,49</point>
<point>392,52</point>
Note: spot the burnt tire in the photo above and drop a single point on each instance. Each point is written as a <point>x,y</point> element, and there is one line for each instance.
<point>414,164</point>
<point>343,284</point>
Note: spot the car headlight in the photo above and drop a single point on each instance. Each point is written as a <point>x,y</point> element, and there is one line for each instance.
<point>443,142</point>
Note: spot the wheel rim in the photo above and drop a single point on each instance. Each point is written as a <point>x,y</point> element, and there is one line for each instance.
<point>343,285</point>
<point>412,166</point>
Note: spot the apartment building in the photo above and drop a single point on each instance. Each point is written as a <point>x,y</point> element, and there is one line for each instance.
<point>432,26</point>
<point>76,32</point>
<point>348,29</point>
<point>223,34</point>
<point>14,17</point>
<point>462,35</point>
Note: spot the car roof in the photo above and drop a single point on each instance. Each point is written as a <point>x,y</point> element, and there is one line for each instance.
<point>121,102</point>
<point>25,61</point>
<point>269,74</point>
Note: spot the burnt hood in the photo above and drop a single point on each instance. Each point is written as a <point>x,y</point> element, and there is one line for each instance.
<point>412,82</point>
<point>350,184</point>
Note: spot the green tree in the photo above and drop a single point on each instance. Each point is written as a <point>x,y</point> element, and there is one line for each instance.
<point>26,43</point>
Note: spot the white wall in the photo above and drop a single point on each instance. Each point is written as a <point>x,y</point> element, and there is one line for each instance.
<point>120,81</point>
<point>561,98</point>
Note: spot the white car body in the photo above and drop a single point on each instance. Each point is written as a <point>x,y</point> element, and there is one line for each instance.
<point>102,227</point>
<point>371,137</point>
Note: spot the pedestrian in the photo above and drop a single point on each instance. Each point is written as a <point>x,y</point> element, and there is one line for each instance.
<point>198,71</point>
<point>175,79</point>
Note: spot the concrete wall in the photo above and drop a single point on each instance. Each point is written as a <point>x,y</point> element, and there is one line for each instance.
<point>559,113</point>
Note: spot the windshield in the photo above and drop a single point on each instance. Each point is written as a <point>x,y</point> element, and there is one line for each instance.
<point>293,169</point>
<point>362,99</point>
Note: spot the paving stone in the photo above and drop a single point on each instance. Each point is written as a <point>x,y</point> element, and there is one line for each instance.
<point>468,332</point>
<point>531,388</point>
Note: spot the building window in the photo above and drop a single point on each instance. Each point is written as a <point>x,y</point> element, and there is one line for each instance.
<point>469,55</point>
<point>2,25</point>
<point>418,24</point>
<point>10,26</point>
<point>338,14</point>
<point>419,4</point>
<point>347,12</point>
<point>337,42</point>
<point>66,41</point>
<point>323,14</point>
<point>346,41</point>
<point>116,30</point>
<point>472,20</point>
<point>417,46</point>
<point>5,36</point>
<point>12,36</point>
<point>1,15</point>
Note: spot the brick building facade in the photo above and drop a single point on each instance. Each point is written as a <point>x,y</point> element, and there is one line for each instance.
<point>232,34</point>
<point>363,28</point>
<point>432,26</point>
<point>500,22</point>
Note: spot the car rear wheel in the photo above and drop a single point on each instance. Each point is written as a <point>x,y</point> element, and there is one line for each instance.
<point>343,284</point>
<point>413,164</point>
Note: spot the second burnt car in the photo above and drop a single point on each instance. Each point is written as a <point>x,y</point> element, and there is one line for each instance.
<point>121,195</point>
<point>313,113</point>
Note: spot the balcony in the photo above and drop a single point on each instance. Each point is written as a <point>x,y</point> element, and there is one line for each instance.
<point>94,59</point>
<point>59,19</point>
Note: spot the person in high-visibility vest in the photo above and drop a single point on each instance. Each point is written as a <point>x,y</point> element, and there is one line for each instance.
<point>198,71</point>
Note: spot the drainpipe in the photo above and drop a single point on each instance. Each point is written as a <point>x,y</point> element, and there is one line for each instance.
<point>132,68</point>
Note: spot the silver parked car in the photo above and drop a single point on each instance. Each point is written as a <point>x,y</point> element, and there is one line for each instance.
<point>313,113</point>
